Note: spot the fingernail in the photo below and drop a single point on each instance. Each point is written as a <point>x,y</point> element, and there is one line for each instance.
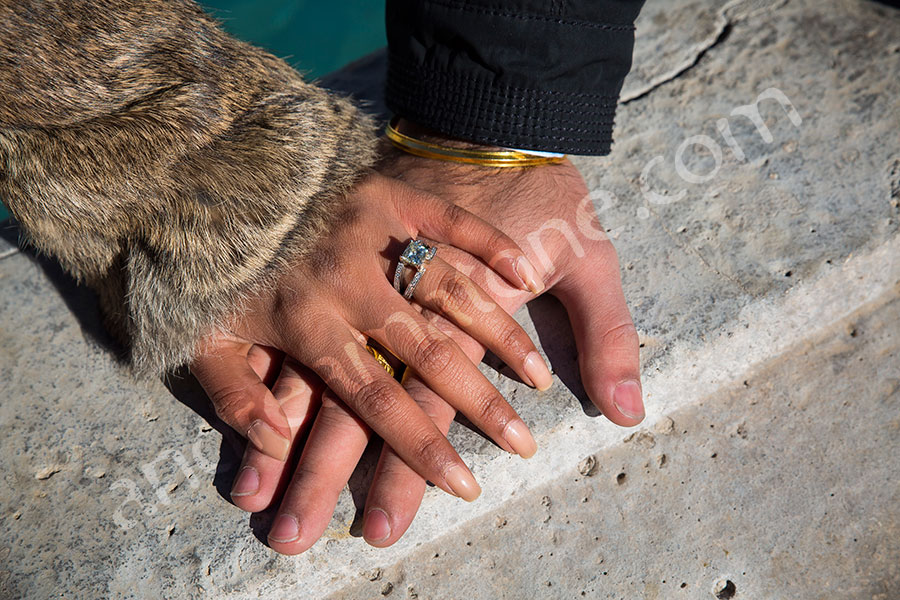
<point>284,529</point>
<point>528,273</point>
<point>537,371</point>
<point>246,483</point>
<point>268,441</point>
<point>377,528</point>
<point>627,398</point>
<point>462,483</point>
<point>519,437</point>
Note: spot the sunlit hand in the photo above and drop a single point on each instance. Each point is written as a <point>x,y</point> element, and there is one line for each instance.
<point>321,313</point>
<point>549,212</point>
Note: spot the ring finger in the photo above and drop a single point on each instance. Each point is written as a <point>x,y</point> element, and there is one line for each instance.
<point>452,294</point>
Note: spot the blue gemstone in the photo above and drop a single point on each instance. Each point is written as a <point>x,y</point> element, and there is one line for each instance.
<point>416,252</point>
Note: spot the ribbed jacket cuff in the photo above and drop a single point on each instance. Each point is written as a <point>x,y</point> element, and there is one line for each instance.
<point>476,108</point>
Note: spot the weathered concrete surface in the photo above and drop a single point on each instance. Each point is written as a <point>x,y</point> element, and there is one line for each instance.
<point>114,489</point>
<point>782,483</point>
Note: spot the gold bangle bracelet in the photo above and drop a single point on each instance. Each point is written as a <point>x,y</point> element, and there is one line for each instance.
<point>485,158</point>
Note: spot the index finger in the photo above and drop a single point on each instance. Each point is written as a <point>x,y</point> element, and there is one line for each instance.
<point>451,224</point>
<point>241,399</point>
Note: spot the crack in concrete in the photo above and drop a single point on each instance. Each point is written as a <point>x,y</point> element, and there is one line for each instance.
<point>731,13</point>
<point>894,182</point>
<point>8,253</point>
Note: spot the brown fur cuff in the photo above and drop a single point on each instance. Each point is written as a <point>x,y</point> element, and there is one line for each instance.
<point>164,163</point>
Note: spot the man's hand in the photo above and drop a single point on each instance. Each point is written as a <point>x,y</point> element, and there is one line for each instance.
<point>546,210</point>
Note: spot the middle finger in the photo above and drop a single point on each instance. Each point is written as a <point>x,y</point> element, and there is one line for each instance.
<point>441,364</point>
<point>450,293</point>
<point>335,444</point>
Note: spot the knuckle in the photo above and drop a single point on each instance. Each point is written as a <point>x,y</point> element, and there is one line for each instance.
<point>223,406</point>
<point>455,294</point>
<point>377,400</point>
<point>511,337</point>
<point>430,449</point>
<point>228,401</point>
<point>490,410</point>
<point>453,216</point>
<point>623,334</point>
<point>433,354</point>
<point>497,240</point>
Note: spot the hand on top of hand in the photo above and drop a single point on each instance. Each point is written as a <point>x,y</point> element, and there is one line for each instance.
<point>324,308</point>
<point>548,212</point>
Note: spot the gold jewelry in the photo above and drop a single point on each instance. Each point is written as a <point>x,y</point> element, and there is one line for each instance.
<point>485,158</point>
<point>381,360</point>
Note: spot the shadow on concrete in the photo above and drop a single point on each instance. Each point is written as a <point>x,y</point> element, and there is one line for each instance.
<point>80,300</point>
<point>83,304</point>
<point>185,388</point>
<point>551,321</point>
<point>554,332</point>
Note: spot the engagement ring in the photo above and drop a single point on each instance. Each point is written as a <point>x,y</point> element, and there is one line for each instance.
<point>416,255</point>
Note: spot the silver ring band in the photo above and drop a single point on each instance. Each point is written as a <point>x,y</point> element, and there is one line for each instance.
<point>415,256</point>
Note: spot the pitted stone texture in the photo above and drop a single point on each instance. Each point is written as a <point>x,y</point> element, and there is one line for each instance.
<point>113,489</point>
<point>784,484</point>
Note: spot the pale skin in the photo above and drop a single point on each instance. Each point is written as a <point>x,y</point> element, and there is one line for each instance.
<point>517,202</point>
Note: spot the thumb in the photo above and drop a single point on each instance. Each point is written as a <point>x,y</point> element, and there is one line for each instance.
<point>607,341</point>
<point>241,399</point>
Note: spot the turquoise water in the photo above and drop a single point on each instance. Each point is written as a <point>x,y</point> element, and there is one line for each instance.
<point>313,36</point>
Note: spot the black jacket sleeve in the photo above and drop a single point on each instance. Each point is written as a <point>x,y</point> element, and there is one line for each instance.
<point>534,74</point>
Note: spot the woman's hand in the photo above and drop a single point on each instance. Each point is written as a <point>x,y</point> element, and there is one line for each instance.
<point>550,209</point>
<point>322,311</point>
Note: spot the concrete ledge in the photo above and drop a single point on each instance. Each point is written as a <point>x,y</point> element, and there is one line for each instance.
<point>767,299</point>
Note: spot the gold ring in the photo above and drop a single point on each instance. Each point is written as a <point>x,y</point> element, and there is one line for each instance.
<point>381,360</point>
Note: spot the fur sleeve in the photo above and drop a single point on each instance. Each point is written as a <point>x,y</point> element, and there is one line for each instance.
<point>169,166</point>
